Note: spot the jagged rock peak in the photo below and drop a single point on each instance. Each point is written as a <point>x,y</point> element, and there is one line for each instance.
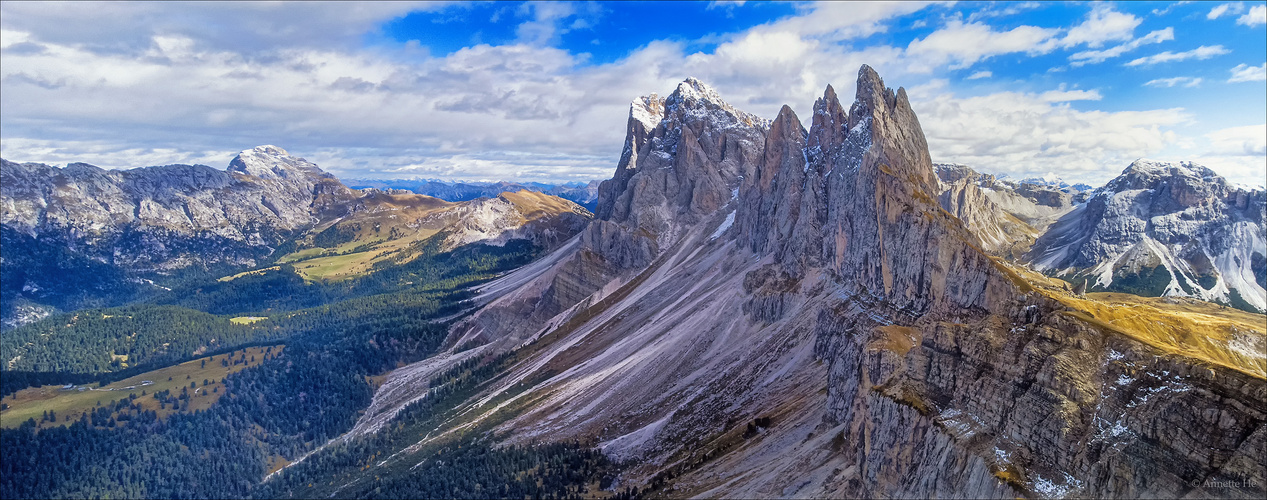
<point>694,97</point>
<point>1187,182</point>
<point>893,125</point>
<point>272,162</point>
<point>830,123</point>
<point>871,95</point>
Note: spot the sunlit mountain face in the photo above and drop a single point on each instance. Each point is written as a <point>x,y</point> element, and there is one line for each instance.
<point>633,250</point>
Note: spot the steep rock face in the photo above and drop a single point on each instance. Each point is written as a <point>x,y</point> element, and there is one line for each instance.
<point>683,166</point>
<point>862,203</point>
<point>1164,229</point>
<point>857,331</point>
<point>683,160</point>
<point>1036,202</point>
<point>172,216</point>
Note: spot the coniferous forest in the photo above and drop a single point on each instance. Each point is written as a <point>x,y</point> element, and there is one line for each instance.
<point>337,335</point>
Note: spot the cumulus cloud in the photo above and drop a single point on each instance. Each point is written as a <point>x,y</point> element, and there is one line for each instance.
<point>1256,16</point>
<point>1242,141</point>
<point>173,86</point>
<point>1025,134</point>
<point>1200,53</point>
<point>1247,73</point>
<point>962,44</point>
<point>550,20</point>
<point>252,29</point>
<point>160,87</point>
<point>1182,81</point>
<point>1103,24</point>
<point>1070,95</point>
<point>1238,153</point>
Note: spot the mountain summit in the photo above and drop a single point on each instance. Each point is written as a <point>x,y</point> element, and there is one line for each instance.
<point>1175,229</point>
<point>799,305</point>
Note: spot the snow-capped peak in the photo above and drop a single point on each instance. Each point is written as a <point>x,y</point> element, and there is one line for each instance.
<point>694,97</point>
<point>271,162</point>
<point>694,89</point>
<point>647,110</point>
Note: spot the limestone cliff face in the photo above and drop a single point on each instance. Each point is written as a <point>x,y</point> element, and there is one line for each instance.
<point>683,160</point>
<point>172,216</point>
<point>810,286</point>
<point>860,199</point>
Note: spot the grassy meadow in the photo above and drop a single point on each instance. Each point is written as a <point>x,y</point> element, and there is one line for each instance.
<point>70,404</point>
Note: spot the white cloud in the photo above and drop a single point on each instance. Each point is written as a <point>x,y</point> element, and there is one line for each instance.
<point>1238,153</point>
<point>1024,134</point>
<point>549,20</point>
<point>1011,9</point>
<point>1200,53</point>
<point>1257,16</point>
<point>962,44</point>
<point>253,29</point>
<point>1103,24</point>
<point>1099,56</point>
<point>1227,8</point>
<point>1183,81</point>
<point>1243,141</point>
<point>728,4</point>
<point>836,21</point>
<point>1247,73</point>
<point>163,85</point>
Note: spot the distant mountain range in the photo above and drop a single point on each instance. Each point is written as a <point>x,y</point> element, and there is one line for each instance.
<point>1158,229</point>
<point>83,236</point>
<point>583,194</point>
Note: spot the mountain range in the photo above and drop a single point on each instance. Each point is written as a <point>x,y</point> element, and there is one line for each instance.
<point>753,310</point>
<point>134,230</point>
<point>759,310</point>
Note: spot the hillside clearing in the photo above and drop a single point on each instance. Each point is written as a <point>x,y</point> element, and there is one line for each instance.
<point>69,404</point>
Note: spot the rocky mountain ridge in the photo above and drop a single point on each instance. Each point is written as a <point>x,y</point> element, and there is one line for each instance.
<point>168,217</point>
<point>1173,229</point>
<point>761,310</point>
<point>812,286</point>
<point>135,223</point>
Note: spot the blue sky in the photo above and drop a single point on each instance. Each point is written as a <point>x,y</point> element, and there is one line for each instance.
<point>540,91</point>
